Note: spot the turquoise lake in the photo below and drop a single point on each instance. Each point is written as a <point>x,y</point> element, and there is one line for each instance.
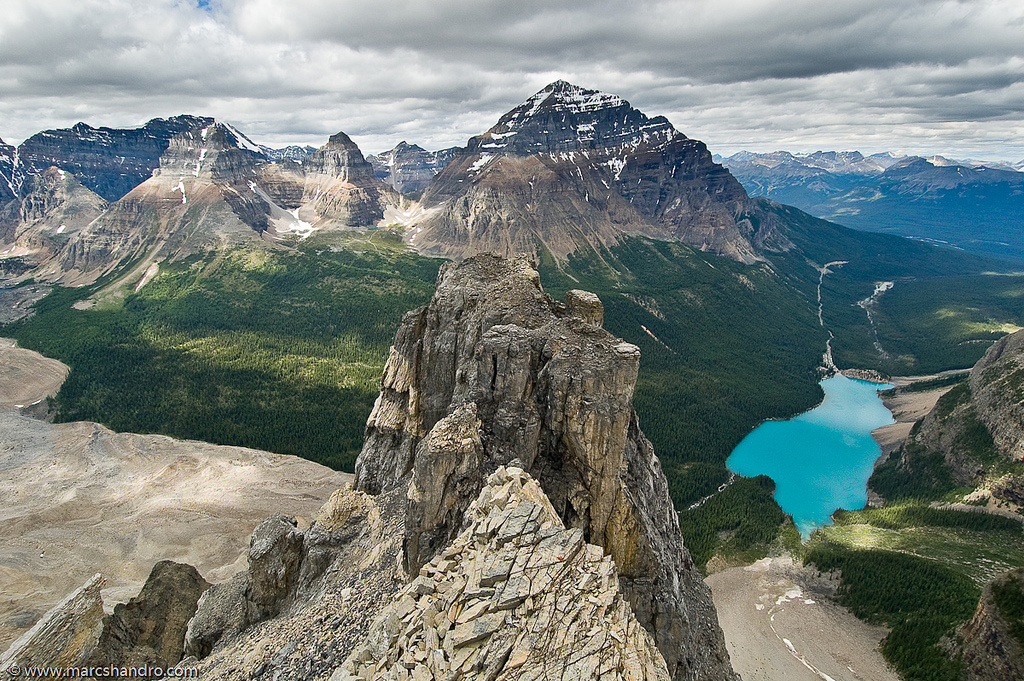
<point>820,460</point>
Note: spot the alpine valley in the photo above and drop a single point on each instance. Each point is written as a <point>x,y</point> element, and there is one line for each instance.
<point>535,353</point>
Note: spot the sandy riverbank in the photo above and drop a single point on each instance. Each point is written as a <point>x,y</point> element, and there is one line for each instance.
<point>780,623</point>
<point>27,377</point>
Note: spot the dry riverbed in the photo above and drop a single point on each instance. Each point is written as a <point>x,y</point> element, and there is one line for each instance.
<point>80,499</point>
<point>780,623</point>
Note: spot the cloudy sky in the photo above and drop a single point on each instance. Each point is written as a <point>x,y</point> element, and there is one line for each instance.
<point>919,76</point>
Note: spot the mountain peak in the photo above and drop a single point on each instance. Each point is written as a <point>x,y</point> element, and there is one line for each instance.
<point>563,95</point>
<point>566,118</point>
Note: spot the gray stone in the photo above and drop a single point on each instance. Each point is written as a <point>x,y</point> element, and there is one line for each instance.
<point>150,628</point>
<point>492,371</point>
<point>65,636</point>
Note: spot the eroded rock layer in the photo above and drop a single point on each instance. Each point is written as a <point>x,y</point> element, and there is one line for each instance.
<point>991,642</point>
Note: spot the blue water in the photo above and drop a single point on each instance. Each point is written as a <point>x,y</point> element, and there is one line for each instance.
<point>820,460</point>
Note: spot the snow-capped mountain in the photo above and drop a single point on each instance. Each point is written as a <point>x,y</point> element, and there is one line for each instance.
<point>572,168</point>
<point>109,161</point>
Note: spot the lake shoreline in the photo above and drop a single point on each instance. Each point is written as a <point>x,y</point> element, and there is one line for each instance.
<point>907,408</point>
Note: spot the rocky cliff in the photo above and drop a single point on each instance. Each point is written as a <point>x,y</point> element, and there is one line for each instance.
<point>340,187</point>
<point>992,642</point>
<point>109,161</point>
<point>331,188</point>
<point>51,211</point>
<point>572,169</point>
<point>10,173</point>
<point>408,167</point>
<point>493,371</point>
<point>975,434</point>
<point>65,636</point>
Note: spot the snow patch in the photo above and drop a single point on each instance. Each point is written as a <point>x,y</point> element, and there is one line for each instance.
<point>202,155</point>
<point>790,595</point>
<point>60,230</point>
<point>181,187</point>
<point>285,221</point>
<point>481,162</point>
<point>616,165</point>
<point>150,273</point>
<point>243,141</point>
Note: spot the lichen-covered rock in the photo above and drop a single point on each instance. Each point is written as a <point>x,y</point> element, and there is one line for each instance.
<point>515,596</point>
<point>150,628</point>
<point>494,371</point>
<point>65,636</point>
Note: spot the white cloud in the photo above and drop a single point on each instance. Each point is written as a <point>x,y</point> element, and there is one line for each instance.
<point>930,76</point>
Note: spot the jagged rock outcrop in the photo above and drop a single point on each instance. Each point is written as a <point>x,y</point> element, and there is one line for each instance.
<point>65,636</point>
<point>494,371</point>
<point>991,645</point>
<point>974,436</point>
<point>573,169</point>
<point>515,596</point>
<point>109,161</point>
<point>326,594</point>
<point>408,167</point>
<point>150,628</point>
<point>262,592</point>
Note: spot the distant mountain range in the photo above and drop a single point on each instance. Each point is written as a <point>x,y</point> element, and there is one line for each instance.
<point>973,205</point>
<point>568,171</point>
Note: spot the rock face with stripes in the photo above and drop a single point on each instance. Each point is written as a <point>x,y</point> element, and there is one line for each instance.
<point>493,372</point>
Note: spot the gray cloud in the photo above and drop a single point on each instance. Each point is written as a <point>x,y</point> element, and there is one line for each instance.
<point>931,76</point>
